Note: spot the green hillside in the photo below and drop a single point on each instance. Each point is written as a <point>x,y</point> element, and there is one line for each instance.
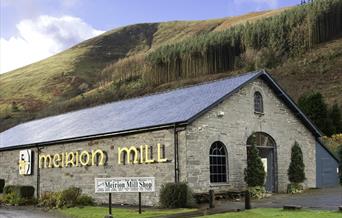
<point>144,58</point>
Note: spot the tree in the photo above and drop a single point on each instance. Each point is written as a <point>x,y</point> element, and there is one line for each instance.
<point>316,109</point>
<point>296,169</point>
<point>336,118</point>
<point>255,172</point>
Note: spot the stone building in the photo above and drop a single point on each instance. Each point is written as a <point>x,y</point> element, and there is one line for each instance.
<point>199,134</point>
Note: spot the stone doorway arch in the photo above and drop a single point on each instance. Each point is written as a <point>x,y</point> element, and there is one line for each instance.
<point>268,152</point>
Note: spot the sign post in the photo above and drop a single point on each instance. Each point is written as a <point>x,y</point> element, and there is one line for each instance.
<point>139,202</point>
<point>110,205</point>
<point>124,184</point>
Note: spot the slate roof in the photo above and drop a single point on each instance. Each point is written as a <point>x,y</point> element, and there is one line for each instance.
<point>161,109</point>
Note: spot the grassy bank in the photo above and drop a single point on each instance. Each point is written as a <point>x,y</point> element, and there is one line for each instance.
<point>276,212</point>
<point>100,212</point>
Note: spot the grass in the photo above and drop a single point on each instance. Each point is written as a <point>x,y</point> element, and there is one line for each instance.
<point>276,212</point>
<point>100,212</point>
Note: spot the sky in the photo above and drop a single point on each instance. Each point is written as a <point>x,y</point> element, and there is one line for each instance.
<point>31,30</point>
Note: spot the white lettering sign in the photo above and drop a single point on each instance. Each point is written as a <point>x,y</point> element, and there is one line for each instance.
<point>25,162</point>
<point>125,184</point>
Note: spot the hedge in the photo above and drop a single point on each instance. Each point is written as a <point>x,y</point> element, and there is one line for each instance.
<point>22,191</point>
<point>175,195</point>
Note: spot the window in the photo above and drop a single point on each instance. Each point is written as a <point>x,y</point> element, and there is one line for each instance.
<point>218,163</point>
<point>258,103</point>
<point>260,139</point>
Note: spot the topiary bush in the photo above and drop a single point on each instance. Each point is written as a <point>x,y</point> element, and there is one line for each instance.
<point>296,169</point>
<point>255,172</point>
<point>175,195</point>
<point>2,185</point>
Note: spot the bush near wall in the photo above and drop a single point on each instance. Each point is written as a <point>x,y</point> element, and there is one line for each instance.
<point>296,171</point>
<point>19,195</point>
<point>70,197</point>
<point>175,195</point>
<point>21,191</point>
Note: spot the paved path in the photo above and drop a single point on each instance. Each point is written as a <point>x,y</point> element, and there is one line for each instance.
<point>25,212</point>
<point>325,199</point>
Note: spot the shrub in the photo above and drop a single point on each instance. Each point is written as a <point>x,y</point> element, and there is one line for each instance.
<point>68,197</point>
<point>26,192</point>
<point>49,199</point>
<point>175,195</point>
<point>12,198</point>
<point>84,200</point>
<point>257,192</point>
<point>255,173</point>
<point>2,185</point>
<point>10,189</point>
<point>19,195</point>
<point>296,169</point>
<point>294,188</point>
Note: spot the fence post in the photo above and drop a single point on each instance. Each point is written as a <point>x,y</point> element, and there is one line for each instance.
<point>211,198</point>
<point>247,200</point>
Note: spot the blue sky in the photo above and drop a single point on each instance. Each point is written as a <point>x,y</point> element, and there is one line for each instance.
<point>51,26</point>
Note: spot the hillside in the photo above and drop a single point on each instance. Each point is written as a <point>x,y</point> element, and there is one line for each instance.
<point>115,65</point>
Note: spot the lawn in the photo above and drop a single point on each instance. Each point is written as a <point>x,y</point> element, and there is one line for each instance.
<point>100,212</point>
<point>276,212</point>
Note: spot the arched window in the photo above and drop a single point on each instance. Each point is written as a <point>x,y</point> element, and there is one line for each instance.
<point>258,103</point>
<point>260,139</point>
<point>218,163</point>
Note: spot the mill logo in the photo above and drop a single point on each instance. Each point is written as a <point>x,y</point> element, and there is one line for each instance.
<point>25,162</point>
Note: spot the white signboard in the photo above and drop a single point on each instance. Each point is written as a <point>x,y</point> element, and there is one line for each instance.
<point>25,162</point>
<point>124,184</point>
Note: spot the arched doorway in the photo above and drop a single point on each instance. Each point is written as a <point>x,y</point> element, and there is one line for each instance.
<point>267,151</point>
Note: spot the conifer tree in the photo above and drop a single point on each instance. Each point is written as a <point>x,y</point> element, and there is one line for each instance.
<point>296,169</point>
<point>336,119</point>
<point>255,172</point>
<point>316,109</point>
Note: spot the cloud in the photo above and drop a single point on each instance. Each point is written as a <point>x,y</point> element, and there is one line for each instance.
<point>40,38</point>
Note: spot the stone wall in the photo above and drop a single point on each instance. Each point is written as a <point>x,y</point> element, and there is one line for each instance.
<point>57,179</point>
<point>233,129</point>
